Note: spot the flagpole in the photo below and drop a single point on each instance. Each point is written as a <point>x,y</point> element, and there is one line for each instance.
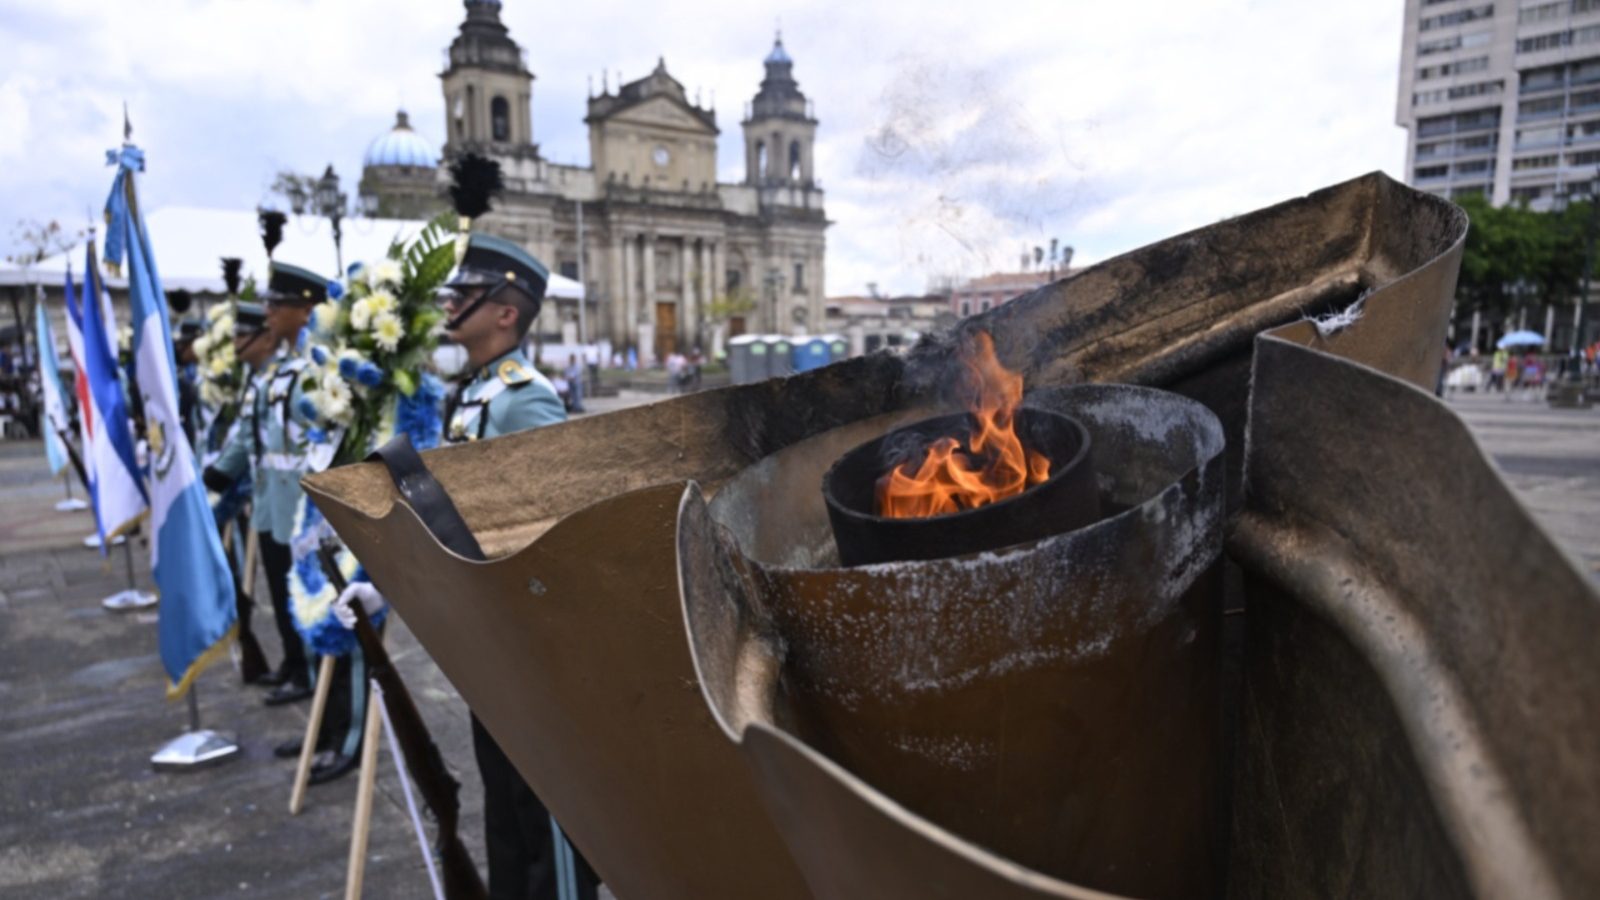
<point>130,598</point>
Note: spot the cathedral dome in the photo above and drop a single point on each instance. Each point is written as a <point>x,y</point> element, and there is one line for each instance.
<point>778,54</point>
<point>401,147</point>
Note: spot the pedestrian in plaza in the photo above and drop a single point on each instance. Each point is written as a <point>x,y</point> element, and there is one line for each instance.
<point>1497,369</point>
<point>574,376</point>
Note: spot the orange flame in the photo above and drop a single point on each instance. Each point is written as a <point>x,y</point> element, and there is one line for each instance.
<point>990,467</point>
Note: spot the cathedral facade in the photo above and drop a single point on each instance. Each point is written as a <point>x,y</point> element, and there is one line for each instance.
<point>669,257</point>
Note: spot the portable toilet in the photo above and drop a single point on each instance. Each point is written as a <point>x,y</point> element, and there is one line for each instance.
<point>780,356</point>
<point>838,347</point>
<point>747,358</point>
<point>811,353</point>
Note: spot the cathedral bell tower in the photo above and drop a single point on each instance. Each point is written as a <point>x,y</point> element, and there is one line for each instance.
<point>780,129</point>
<point>488,90</point>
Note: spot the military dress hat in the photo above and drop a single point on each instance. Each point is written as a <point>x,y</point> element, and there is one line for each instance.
<point>189,329</point>
<point>499,264</point>
<point>249,318</point>
<point>295,286</point>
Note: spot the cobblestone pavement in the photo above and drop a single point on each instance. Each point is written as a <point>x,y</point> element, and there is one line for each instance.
<point>83,815</point>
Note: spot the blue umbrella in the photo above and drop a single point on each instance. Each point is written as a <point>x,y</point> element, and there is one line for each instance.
<point>1521,339</point>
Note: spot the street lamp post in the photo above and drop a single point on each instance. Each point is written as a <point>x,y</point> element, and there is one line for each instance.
<point>331,203</point>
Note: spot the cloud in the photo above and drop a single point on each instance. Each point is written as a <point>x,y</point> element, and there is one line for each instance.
<point>953,136</point>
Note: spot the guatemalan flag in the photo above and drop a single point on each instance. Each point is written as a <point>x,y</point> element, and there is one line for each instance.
<point>53,419</point>
<point>114,478</point>
<point>197,600</point>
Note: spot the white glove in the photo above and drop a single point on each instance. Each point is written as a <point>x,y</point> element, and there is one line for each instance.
<point>357,592</point>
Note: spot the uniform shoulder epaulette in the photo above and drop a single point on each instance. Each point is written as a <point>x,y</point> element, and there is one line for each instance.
<point>514,373</point>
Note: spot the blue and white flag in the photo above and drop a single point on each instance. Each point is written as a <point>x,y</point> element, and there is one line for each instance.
<point>115,482</point>
<point>198,615</point>
<point>53,418</point>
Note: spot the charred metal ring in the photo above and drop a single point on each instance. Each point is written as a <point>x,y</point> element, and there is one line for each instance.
<point>1065,501</point>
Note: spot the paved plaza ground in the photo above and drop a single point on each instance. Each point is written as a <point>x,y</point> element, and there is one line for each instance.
<point>82,814</point>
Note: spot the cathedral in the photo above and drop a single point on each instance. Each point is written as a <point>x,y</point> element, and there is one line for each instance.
<point>670,258</point>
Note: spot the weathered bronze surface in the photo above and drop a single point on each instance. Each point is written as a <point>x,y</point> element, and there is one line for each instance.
<point>1055,703</point>
<point>1345,784</point>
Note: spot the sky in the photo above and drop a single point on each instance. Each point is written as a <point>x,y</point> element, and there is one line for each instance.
<point>954,136</point>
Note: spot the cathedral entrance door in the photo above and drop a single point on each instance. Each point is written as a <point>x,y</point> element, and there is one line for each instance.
<point>666,329</point>
<point>735,326</point>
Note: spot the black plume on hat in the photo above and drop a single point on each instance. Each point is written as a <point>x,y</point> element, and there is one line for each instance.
<point>474,180</point>
<point>180,300</point>
<point>272,223</point>
<point>231,266</point>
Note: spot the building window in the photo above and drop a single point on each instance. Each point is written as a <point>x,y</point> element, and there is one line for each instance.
<point>1426,172</point>
<point>1533,162</point>
<point>1529,194</point>
<point>799,278</point>
<point>735,278</point>
<point>569,269</point>
<point>761,160</point>
<point>1454,42</point>
<point>1535,109</point>
<point>1586,158</point>
<point>1459,67</point>
<point>794,161</point>
<point>984,306</point>
<point>1445,20</point>
<point>1544,12</point>
<point>966,307</point>
<point>1476,167</point>
<point>1423,98</point>
<point>1537,137</point>
<point>500,118</point>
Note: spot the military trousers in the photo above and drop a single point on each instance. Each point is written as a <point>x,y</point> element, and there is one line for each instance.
<point>520,834</point>
<point>276,559</point>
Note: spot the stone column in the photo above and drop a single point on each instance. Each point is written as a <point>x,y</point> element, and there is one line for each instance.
<point>647,296</point>
<point>630,291</point>
<point>688,315</point>
<point>614,305</point>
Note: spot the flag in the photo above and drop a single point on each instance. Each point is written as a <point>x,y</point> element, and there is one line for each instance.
<point>80,383</point>
<point>53,419</point>
<point>118,490</point>
<point>198,613</point>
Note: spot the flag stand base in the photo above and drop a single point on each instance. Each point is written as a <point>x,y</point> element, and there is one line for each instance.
<point>194,750</point>
<point>197,748</point>
<point>133,599</point>
<point>71,504</point>
<point>93,541</point>
<point>129,600</point>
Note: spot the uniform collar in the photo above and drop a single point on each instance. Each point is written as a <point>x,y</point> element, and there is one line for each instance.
<point>488,369</point>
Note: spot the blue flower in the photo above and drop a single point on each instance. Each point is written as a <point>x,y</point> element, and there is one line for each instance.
<point>354,269</point>
<point>335,290</point>
<point>320,355</point>
<point>316,435</point>
<point>348,367</point>
<point>306,407</point>
<point>418,415</point>
<point>369,375</point>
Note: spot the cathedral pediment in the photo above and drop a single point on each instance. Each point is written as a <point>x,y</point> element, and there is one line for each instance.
<point>666,111</point>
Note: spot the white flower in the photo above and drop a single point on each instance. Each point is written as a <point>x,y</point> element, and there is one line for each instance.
<point>385,271</point>
<point>381,301</point>
<point>332,399</point>
<point>202,346</point>
<point>387,329</point>
<point>324,317</point>
<point>361,314</point>
<point>218,367</point>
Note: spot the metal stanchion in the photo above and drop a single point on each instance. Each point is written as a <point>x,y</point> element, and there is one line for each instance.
<point>196,748</point>
<point>131,598</point>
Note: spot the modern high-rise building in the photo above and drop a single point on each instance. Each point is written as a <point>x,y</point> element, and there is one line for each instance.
<point>1501,99</point>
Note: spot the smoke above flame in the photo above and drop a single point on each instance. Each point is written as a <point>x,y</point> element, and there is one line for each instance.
<point>989,465</point>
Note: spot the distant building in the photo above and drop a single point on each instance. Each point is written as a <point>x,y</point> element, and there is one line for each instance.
<point>400,175</point>
<point>1501,100</point>
<point>986,292</point>
<point>872,323</point>
<point>663,240</point>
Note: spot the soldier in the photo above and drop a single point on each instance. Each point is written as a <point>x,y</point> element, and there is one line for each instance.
<point>269,445</point>
<point>494,298</point>
<point>188,376</point>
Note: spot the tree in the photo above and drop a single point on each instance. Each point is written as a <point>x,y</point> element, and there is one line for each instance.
<point>38,241</point>
<point>1514,255</point>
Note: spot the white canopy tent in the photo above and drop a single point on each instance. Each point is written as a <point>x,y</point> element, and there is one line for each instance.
<point>191,241</point>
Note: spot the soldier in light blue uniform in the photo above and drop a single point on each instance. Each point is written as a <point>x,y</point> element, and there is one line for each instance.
<point>270,446</point>
<point>494,298</point>
<point>490,312</point>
